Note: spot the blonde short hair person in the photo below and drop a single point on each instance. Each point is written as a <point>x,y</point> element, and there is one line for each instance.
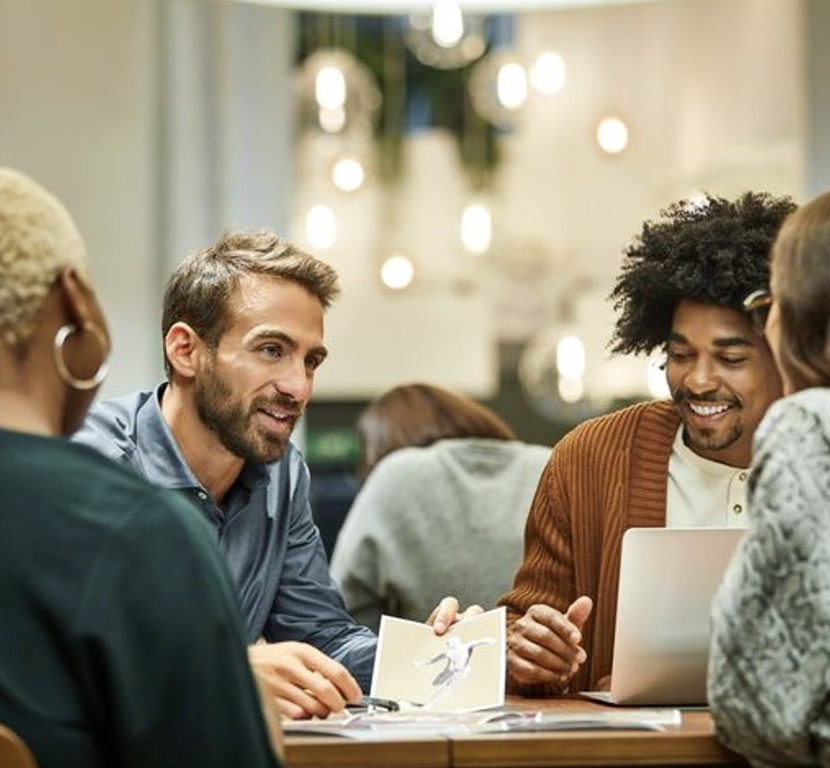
<point>101,574</point>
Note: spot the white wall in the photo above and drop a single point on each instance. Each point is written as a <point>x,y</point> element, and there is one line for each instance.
<point>78,113</point>
<point>227,137</point>
<point>713,93</point>
<point>161,122</point>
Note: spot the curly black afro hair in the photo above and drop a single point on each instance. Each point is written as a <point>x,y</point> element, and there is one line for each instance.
<point>711,251</point>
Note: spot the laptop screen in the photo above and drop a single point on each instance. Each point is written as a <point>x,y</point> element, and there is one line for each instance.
<point>668,577</point>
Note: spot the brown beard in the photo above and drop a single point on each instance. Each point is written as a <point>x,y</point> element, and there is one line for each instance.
<point>230,420</point>
<point>705,439</point>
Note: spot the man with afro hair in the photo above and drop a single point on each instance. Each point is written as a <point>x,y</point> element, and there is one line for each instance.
<point>678,463</point>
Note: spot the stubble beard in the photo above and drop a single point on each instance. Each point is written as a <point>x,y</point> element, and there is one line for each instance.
<point>230,421</point>
<point>707,439</point>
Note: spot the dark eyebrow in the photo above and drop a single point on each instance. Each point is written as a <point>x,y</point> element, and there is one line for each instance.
<point>267,334</point>
<point>733,341</point>
<point>726,341</point>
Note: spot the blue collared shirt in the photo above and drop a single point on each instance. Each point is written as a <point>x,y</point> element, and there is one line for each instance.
<point>265,530</point>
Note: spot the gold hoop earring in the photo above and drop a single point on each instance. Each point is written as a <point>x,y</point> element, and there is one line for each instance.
<point>64,332</point>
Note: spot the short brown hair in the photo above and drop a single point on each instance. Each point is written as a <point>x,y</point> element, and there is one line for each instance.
<point>419,415</point>
<point>199,289</point>
<point>801,287</point>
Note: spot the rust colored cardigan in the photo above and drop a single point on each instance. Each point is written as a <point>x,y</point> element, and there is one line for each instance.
<point>607,475</point>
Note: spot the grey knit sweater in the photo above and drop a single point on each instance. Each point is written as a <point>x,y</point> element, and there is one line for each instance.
<point>769,668</point>
<point>447,519</point>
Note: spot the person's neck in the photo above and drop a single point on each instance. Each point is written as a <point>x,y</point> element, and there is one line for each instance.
<point>19,413</point>
<point>214,466</point>
<point>30,400</point>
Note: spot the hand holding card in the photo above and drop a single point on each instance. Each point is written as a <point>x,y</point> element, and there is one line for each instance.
<point>459,671</point>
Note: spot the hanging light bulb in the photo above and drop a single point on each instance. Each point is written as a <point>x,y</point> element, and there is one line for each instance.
<point>552,370</point>
<point>612,135</point>
<point>511,85</point>
<point>348,173</point>
<point>447,23</point>
<point>570,357</point>
<point>321,227</point>
<point>570,367</point>
<point>476,228</point>
<point>547,74</point>
<point>498,88</point>
<point>397,271</point>
<point>332,120</point>
<point>445,38</point>
<point>337,93</point>
<point>330,87</point>
<point>570,390</point>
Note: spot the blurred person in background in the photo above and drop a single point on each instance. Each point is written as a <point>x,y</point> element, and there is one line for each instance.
<point>103,577</point>
<point>445,491</point>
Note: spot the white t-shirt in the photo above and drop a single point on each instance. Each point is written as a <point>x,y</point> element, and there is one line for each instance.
<point>702,492</point>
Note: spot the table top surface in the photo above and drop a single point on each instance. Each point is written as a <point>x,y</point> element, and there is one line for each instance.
<point>691,743</point>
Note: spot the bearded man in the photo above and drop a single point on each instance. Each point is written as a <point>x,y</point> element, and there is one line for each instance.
<point>678,463</point>
<point>242,326</point>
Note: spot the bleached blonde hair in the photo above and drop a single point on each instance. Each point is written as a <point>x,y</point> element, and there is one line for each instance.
<point>38,239</point>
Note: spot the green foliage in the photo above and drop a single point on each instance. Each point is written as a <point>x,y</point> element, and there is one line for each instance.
<point>414,95</point>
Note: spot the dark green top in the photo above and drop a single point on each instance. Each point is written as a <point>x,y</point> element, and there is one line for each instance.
<point>121,642</point>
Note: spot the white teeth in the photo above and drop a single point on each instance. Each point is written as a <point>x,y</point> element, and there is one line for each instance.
<point>708,410</point>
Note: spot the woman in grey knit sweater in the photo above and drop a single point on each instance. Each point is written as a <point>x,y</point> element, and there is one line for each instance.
<point>446,490</point>
<point>769,672</point>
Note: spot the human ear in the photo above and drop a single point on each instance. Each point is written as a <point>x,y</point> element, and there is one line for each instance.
<point>82,342</point>
<point>80,302</point>
<point>183,348</point>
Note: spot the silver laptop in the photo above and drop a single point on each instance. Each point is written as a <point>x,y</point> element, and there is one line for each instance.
<point>668,577</point>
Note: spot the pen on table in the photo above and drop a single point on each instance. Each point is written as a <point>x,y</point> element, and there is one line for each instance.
<point>373,702</point>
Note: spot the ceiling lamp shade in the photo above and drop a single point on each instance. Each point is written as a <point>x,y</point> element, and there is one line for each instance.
<point>337,93</point>
<point>444,37</point>
<point>499,88</point>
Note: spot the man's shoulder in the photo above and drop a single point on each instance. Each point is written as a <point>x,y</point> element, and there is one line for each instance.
<point>651,420</point>
<point>110,425</point>
<point>120,497</point>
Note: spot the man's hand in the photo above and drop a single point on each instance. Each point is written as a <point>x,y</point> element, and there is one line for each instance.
<point>543,646</point>
<point>272,714</point>
<point>304,681</point>
<point>447,613</point>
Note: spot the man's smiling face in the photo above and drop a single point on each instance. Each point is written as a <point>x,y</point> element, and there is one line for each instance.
<point>252,390</point>
<point>722,379</point>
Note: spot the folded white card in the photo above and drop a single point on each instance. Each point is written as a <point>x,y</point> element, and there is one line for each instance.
<point>458,671</point>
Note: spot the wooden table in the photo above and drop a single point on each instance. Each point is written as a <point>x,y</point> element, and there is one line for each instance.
<point>333,752</point>
<point>692,743</point>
